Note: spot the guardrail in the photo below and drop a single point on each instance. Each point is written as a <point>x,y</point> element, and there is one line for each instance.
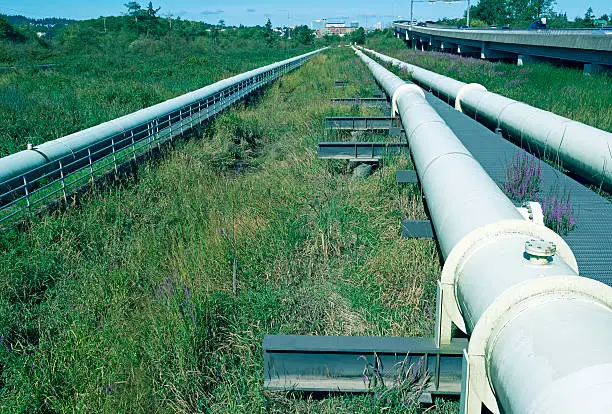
<point>549,31</point>
<point>58,168</point>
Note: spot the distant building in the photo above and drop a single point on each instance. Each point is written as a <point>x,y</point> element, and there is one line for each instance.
<point>318,24</point>
<point>325,27</point>
<point>378,26</point>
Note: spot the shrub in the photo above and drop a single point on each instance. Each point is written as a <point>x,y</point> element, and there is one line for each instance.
<point>523,177</point>
<point>524,182</point>
<point>8,31</point>
<point>558,214</point>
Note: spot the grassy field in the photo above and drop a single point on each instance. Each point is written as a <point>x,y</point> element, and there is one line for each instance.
<point>114,76</point>
<point>125,303</point>
<point>565,91</point>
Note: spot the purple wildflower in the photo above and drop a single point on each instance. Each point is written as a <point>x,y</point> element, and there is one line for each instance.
<point>523,177</point>
<point>558,214</point>
<point>5,344</point>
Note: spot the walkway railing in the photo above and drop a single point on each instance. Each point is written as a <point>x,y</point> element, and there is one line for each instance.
<point>29,179</point>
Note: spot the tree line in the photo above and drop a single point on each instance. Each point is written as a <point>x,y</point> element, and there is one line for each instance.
<point>518,13</point>
<point>142,21</point>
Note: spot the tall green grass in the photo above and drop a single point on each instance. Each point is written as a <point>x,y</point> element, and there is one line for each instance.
<point>564,91</point>
<point>114,76</point>
<point>125,303</point>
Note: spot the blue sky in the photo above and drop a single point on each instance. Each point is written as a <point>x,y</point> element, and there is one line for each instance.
<point>280,12</point>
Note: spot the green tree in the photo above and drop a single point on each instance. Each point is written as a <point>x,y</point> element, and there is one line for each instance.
<point>8,31</point>
<point>491,11</point>
<point>525,11</point>
<point>134,10</point>
<point>268,32</point>
<point>589,16</point>
<point>151,12</point>
<point>146,21</point>
<point>358,36</point>
<point>303,35</point>
<point>542,8</point>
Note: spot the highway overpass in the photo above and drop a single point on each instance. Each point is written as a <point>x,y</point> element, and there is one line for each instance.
<point>592,50</point>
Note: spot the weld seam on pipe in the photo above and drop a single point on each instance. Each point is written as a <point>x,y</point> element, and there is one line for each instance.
<point>463,90</point>
<point>500,113</point>
<point>422,124</point>
<point>409,89</point>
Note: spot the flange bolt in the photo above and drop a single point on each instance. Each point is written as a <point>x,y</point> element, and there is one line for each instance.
<point>539,251</point>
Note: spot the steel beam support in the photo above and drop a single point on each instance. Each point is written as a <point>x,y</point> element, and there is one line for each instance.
<point>366,123</point>
<point>417,229</point>
<point>359,150</point>
<point>358,364</point>
<point>368,102</point>
<point>406,177</point>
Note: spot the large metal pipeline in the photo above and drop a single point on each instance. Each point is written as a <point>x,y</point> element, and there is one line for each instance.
<point>20,163</point>
<point>582,149</point>
<point>541,337</point>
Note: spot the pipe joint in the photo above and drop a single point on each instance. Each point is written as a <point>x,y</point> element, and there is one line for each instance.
<point>466,247</point>
<point>405,89</point>
<point>514,303</point>
<point>463,90</point>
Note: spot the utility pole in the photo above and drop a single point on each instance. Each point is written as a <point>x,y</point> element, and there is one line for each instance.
<point>446,1</point>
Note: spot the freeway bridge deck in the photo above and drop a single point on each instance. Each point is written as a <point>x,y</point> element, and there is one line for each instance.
<point>594,49</point>
<point>591,240</point>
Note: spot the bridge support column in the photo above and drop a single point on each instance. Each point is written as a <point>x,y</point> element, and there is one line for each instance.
<point>522,60</point>
<point>595,68</point>
<point>486,53</point>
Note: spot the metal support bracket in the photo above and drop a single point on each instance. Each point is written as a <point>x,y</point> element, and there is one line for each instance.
<point>362,123</point>
<point>397,132</point>
<point>357,364</point>
<point>406,177</point>
<point>359,150</point>
<point>417,229</point>
<point>367,102</point>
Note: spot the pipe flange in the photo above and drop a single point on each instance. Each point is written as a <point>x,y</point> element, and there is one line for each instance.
<point>466,246</point>
<point>463,90</point>
<point>540,251</point>
<point>406,88</point>
<point>511,303</point>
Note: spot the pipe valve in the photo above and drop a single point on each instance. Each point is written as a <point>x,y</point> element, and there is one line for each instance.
<point>539,251</point>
